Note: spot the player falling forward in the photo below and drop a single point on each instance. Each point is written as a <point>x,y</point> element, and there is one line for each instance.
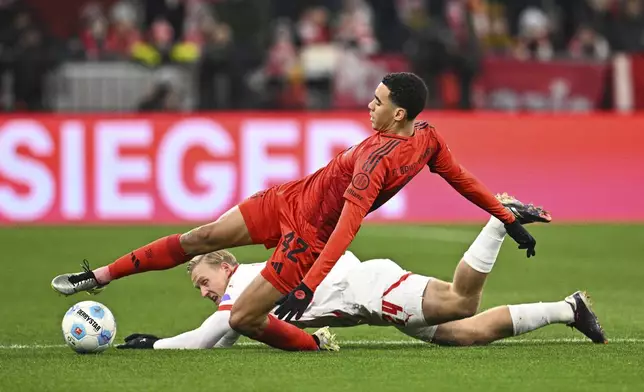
<point>312,221</point>
<point>379,292</point>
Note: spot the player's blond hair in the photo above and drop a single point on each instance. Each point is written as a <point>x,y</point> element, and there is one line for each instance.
<point>213,258</point>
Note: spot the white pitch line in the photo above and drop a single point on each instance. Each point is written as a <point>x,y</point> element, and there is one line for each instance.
<point>370,343</point>
<point>29,346</point>
<point>420,343</point>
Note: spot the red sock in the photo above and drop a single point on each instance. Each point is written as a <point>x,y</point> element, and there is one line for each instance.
<point>282,335</point>
<point>161,254</point>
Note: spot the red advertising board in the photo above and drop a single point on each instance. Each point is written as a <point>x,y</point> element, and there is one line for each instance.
<point>562,86</point>
<point>178,169</point>
<point>637,80</point>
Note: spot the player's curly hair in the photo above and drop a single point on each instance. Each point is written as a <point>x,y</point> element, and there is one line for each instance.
<point>407,91</point>
<point>212,258</point>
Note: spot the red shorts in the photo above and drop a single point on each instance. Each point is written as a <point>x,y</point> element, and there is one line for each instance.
<point>271,223</point>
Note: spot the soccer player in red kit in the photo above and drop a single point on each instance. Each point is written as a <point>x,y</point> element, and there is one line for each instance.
<point>312,221</point>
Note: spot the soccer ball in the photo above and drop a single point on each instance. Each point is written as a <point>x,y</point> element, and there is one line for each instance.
<point>89,327</point>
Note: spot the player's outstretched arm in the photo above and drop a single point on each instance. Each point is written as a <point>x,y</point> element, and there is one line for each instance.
<point>296,302</point>
<point>214,332</point>
<point>345,231</point>
<point>369,173</point>
<point>471,188</point>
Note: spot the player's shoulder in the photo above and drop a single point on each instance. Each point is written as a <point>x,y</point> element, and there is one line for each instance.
<point>421,125</point>
<point>374,145</point>
<point>428,135</point>
<point>424,127</point>
<point>380,153</point>
<point>240,279</point>
<point>245,273</point>
<point>373,141</point>
<point>383,144</point>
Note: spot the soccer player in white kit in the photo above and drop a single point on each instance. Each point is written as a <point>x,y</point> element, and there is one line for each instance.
<point>380,292</point>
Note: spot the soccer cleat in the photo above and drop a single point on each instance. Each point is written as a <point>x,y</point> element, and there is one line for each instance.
<point>326,340</point>
<point>525,213</point>
<point>586,321</point>
<point>68,284</point>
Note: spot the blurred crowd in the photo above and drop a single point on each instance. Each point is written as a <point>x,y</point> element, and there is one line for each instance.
<point>284,53</point>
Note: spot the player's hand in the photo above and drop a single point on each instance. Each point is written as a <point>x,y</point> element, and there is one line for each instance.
<point>522,237</point>
<point>139,340</point>
<point>295,303</point>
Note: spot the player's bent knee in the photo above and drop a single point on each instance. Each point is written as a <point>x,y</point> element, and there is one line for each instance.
<point>229,230</point>
<point>468,307</point>
<point>206,238</point>
<point>464,306</point>
<point>198,240</point>
<point>244,322</point>
<point>238,319</point>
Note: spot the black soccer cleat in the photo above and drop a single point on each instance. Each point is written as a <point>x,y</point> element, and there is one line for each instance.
<point>586,321</point>
<point>525,213</point>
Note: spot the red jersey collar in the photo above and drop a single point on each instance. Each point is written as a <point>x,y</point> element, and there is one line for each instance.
<point>394,136</point>
<point>417,126</point>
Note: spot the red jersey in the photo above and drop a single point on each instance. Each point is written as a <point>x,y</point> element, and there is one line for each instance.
<point>367,175</point>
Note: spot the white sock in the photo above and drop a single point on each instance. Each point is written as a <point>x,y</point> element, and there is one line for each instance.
<point>484,250</point>
<point>528,317</point>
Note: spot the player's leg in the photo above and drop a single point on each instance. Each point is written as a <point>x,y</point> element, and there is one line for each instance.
<point>513,320</point>
<point>250,317</point>
<point>443,301</point>
<point>447,301</point>
<point>283,272</point>
<point>228,231</point>
<point>251,222</point>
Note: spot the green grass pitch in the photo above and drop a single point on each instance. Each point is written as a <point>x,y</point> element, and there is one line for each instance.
<point>606,260</point>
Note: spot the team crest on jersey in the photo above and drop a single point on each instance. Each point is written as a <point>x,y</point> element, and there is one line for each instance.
<point>360,181</point>
<point>226,297</point>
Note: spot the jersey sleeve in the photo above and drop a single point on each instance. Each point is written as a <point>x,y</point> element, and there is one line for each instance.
<point>344,232</point>
<point>444,164</point>
<point>368,179</point>
<point>228,340</point>
<point>210,333</point>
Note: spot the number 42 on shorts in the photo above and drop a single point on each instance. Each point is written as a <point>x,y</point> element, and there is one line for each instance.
<point>300,246</point>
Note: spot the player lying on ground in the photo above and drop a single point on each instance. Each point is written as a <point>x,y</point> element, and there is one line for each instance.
<point>312,221</point>
<point>379,292</point>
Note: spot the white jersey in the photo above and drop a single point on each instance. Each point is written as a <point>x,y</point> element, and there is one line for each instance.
<point>216,331</point>
<point>374,292</point>
<point>239,280</point>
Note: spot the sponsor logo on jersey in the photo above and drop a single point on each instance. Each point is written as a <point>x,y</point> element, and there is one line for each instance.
<point>354,193</point>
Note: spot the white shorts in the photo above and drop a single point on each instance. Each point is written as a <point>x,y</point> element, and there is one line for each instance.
<point>375,292</point>
<point>402,307</point>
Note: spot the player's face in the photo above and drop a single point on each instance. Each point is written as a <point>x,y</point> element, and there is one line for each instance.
<point>211,280</point>
<point>384,113</point>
